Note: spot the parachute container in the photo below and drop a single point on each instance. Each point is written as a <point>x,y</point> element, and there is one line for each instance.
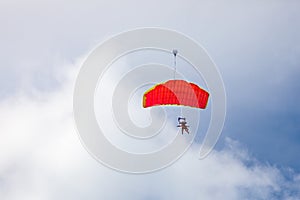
<point>176,92</point>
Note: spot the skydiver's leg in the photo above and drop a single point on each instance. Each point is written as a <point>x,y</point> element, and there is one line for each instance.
<point>187,130</point>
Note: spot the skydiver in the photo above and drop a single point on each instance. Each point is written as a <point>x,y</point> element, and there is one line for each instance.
<point>183,124</point>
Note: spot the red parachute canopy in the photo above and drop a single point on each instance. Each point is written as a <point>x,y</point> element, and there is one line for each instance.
<point>176,92</point>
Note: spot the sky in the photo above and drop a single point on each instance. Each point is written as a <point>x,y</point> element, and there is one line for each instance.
<point>255,45</point>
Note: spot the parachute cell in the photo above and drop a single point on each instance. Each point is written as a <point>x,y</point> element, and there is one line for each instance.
<point>176,92</point>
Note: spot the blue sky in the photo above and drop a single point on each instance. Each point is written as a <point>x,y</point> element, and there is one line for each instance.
<point>256,46</point>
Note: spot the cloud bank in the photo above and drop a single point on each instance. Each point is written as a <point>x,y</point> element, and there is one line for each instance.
<point>41,158</point>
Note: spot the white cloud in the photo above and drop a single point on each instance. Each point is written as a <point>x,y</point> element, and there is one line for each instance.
<point>41,158</point>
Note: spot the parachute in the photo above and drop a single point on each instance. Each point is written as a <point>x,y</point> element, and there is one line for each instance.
<point>176,92</point>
